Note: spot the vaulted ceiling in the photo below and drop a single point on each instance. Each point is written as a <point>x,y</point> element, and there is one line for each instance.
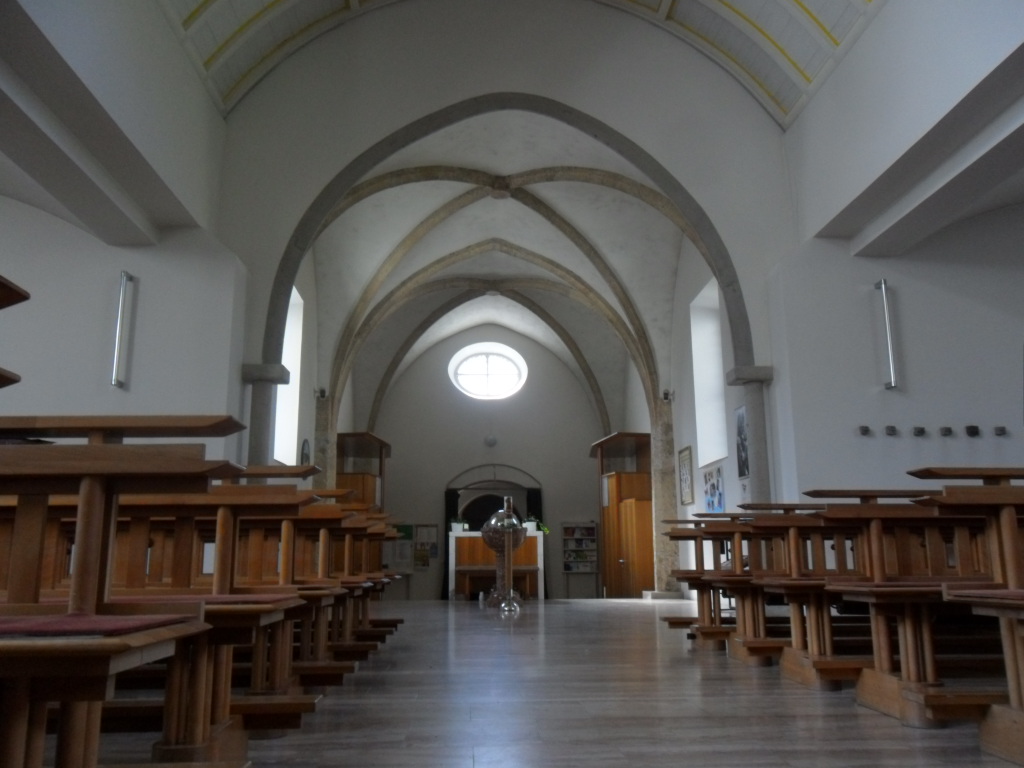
<point>781,50</point>
<point>510,219</point>
<point>515,221</point>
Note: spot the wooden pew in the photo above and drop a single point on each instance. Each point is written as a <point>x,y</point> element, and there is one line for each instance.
<point>342,533</point>
<point>98,473</point>
<point>824,650</point>
<point>72,659</point>
<point>254,621</point>
<point>1001,729</point>
<point>912,552</point>
<point>259,619</point>
<point>712,541</point>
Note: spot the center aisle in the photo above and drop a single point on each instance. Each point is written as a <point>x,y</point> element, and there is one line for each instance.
<point>587,683</point>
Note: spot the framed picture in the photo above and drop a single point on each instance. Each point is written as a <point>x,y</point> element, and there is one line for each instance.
<point>742,446</point>
<point>714,488</point>
<point>686,476</point>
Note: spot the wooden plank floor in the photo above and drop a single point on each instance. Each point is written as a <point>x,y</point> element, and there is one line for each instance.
<point>583,684</point>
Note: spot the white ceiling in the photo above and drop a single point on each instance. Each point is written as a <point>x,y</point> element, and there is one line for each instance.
<point>780,50</point>
<point>504,283</point>
<point>397,249</point>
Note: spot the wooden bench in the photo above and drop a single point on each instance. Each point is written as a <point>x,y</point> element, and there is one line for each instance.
<point>42,476</point>
<point>721,569</point>
<point>343,536</point>
<point>271,713</point>
<point>72,659</point>
<point>823,652</point>
<point>917,642</point>
<point>1001,728</point>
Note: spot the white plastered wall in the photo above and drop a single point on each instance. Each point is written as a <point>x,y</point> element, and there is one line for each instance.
<point>126,55</point>
<point>187,290</point>
<point>539,431</point>
<point>957,319</point>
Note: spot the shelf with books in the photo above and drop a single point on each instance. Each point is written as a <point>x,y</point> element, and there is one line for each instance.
<point>579,547</point>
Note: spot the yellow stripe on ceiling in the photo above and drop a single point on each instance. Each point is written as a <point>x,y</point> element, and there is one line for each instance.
<point>818,22</point>
<point>219,51</point>
<point>196,12</point>
<point>761,31</point>
<point>230,92</point>
<point>739,64</point>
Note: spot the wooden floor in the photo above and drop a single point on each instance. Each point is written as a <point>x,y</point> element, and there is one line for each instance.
<point>586,684</point>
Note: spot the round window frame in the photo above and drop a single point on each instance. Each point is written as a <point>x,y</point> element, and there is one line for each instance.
<point>495,348</point>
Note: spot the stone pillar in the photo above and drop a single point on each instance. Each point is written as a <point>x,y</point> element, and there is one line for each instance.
<point>263,378</point>
<point>663,495</point>
<point>753,378</point>
<point>325,444</point>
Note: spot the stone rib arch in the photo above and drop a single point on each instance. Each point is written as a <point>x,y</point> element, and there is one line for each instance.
<point>398,298</point>
<point>352,328</point>
<point>424,173</point>
<point>348,345</point>
<point>512,183</point>
<point>704,235</point>
<point>531,202</point>
<point>604,269</point>
<point>597,396</point>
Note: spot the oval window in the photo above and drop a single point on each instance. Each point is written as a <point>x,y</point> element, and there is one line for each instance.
<point>487,370</point>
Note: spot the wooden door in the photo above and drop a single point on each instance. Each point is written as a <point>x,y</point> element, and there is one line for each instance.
<point>636,548</point>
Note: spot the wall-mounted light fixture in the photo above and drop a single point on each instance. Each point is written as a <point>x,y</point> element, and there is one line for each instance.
<point>883,286</point>
<point>116,380</point>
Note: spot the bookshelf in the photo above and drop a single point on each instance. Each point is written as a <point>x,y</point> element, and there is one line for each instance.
<point>580,558</point>
<point>579,547</point>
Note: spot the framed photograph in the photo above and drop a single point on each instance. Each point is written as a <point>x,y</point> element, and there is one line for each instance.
<point>685,476</point>
<point>714,489</point>
<point>742,446</point>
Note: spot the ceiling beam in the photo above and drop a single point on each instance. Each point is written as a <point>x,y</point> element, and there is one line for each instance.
<point>56,131</point>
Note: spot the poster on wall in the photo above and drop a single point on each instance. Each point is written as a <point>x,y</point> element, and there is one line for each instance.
<point>425,546</point>
<point>397,553</point>
<point>421,557</point>
<point>686,476</point>
<point>714,488</point>
<point>742,446</point>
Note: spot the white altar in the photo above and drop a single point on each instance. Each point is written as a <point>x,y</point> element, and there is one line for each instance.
<point>471,565</point>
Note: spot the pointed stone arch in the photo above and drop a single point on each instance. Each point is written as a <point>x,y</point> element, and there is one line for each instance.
<point>701,231</point>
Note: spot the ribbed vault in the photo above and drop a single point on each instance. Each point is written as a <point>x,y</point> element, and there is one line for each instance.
<point>412,245</point>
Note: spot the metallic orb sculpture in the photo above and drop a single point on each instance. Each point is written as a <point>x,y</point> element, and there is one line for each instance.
<point>504,534</point>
